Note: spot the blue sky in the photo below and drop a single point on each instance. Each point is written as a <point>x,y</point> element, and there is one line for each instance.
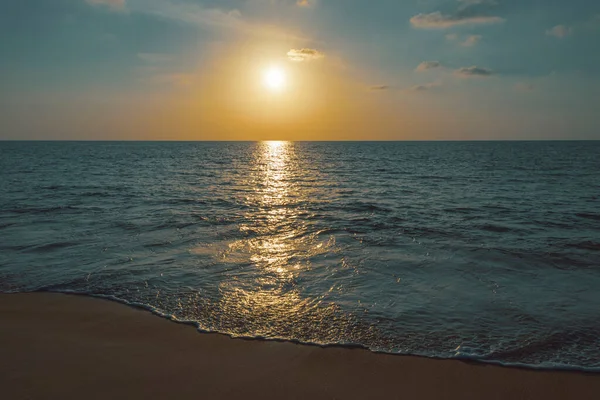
<point>418,69</point>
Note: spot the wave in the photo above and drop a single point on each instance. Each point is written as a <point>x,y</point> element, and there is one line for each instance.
<point>51,246</point>
<point>586,245</point>
<point>495,228</point>
<point>404,239</point>
<point>39,210</point>
<point>554,340</point>
<point>595,217</point>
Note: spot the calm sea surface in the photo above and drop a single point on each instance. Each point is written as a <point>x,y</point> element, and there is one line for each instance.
<point>485,250</point>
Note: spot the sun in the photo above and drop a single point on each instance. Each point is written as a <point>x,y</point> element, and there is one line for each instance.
<point>274,78</point>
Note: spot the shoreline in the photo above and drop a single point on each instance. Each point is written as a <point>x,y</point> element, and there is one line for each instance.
<point>73,346</point>
<point>350,346</point>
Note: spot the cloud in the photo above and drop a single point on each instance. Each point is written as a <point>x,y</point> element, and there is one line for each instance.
<point>305,3</point>
<point>114,4</point>
<point>437,20</point>
<point>471,40</point>
<point>425,87</point>
<point>468,3</point>
<point>468,41</point>
<point>592,24</point>
<point>469,12</point>
<point>426,65</point>
<point>198,15</point>
<point>300,55</point>
<point>379,88</point>
<point>474,72</point>
<point>194,14</point>
<point>559,31</point>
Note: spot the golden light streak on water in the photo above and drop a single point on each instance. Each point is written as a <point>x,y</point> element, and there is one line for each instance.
<point>275,244</point>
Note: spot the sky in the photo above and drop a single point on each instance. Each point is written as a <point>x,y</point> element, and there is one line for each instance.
<point>343,69</point>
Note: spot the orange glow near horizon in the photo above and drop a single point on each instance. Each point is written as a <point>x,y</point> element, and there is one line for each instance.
<point>249,92</point>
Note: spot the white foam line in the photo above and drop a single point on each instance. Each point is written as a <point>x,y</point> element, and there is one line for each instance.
<point>540,367</point>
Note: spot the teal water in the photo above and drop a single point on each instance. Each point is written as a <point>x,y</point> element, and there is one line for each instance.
<point>483,250</point>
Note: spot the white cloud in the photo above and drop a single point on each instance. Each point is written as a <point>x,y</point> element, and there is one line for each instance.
<point>300,55</point>
<point>468,12</point>
<point>437,20</point>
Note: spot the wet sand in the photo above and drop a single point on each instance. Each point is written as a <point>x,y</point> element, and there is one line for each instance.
<point>55,346</point>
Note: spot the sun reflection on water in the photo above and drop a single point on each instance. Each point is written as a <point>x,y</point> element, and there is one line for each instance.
<point>271,208</point>
<point>278,245</point>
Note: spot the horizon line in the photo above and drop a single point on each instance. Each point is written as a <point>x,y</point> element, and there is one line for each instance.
<point>294,141</point>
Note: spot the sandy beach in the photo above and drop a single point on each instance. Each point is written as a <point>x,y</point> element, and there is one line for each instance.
<point>72,347</point>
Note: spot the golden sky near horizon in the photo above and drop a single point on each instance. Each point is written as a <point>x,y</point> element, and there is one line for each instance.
<point>231,98</point>
<point>198,70</point>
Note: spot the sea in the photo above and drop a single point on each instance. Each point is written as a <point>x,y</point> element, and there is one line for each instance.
<point>486,251</point>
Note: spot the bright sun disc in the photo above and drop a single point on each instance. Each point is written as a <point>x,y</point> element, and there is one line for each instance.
<point>274,78</point>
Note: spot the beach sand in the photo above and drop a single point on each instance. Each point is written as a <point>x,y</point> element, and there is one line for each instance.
<point>55,346</point>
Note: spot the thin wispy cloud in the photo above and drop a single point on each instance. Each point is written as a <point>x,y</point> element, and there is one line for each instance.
<point>469,12</point>
<point>427,65</point>
<point>474,72</point>
<point>305,3</point>
<point>468,3</point>
<point>471,41</point>
<point>198,15</point>
<point>594,22</point>
<point>425,87</point>
<point>116,5</point>
<point>559,31</point>
<point>378,88</point>
<point>195,14</point>
<point>299,55</point>
<point>437,20</point>
<point>466,41</point>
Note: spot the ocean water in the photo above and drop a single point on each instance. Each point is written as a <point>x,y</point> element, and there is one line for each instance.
<point>479,250</point>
